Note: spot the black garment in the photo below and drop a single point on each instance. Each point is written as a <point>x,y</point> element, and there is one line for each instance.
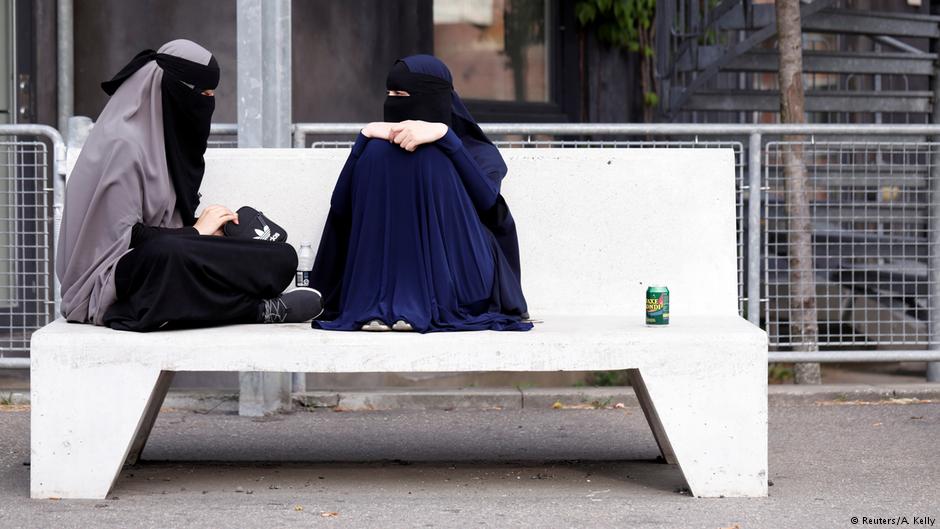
<point>429,99</point>
<point>187,116</point>
<point>190,281</point>
<point>495,213</point>
<point>142,233</point>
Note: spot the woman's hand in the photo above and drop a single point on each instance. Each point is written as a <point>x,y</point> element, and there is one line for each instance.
<point>377,129</point>
<point>213,218</point>
<point>410,134</point>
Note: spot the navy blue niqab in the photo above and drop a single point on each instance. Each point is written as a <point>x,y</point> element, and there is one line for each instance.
<point>422,236</point>
<point>495,216</point>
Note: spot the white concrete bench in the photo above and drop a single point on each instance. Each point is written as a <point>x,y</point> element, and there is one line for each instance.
<point>596,226</point>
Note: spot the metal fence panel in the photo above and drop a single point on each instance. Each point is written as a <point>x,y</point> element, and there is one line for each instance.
<point>871,231</point>
<point>26,275</point>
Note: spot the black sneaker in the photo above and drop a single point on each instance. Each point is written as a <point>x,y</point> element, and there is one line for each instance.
<point>253,224</point>
<point>297,306</point>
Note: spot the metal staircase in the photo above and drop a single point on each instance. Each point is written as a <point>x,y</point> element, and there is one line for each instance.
<point>716,61</point>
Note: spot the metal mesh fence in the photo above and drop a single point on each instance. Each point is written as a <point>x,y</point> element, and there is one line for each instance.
<point>740,157</point>
<point>872,222</point>
<point>874,231</point>
<point>26,296</point>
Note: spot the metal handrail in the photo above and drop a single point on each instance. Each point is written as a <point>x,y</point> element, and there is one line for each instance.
<point>877,355</point>
<point>14,363</point>
<point>224,129</point>
<point>28,129</point>
<point>302,130</point>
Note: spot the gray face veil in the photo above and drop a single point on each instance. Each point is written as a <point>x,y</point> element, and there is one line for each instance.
<point>121,178</point>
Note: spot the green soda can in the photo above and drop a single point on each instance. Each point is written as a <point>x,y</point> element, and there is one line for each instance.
<point>657,305</point>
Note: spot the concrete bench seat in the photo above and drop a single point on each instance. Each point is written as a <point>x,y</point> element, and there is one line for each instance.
<point>596,226</point>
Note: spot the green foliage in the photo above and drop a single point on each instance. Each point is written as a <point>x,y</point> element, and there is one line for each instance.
<point>608,378</point>
<point>779,373</point>
<point>626,24</point>
<point>619,22</point>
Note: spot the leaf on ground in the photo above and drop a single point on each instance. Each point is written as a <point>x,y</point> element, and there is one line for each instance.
<point>558,405</point>
<point>329,514</point>
<point>299,508</point>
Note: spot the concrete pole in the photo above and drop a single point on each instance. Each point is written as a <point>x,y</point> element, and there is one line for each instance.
<point>65,64</point>
<point>250,56</point>
<point>264,120</point>
<point>276,66</point>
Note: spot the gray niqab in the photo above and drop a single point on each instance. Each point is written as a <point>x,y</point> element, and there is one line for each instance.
<point>120,179</point>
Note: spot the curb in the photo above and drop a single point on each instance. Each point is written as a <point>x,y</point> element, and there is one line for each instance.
<point>467,399</point>
<point>522,398</point>
<point>793,395</point>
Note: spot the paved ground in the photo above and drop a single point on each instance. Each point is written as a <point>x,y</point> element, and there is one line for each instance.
<point>518,468</point>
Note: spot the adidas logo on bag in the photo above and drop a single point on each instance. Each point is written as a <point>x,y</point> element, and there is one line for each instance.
<point>265,234</point>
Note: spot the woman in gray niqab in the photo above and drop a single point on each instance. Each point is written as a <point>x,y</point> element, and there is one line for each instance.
<point>130,203</point>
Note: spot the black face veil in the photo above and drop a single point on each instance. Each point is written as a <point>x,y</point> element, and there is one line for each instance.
<point>187,116</point>
<point>430,98</point>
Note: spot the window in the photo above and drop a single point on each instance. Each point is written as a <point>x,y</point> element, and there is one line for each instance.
<point>497,50</point>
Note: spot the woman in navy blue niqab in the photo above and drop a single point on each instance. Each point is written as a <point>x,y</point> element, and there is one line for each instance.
<point>418,236</point>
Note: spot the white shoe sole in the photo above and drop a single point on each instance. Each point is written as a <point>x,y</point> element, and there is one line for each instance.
<point>376,326</point>
<point>402,326</point>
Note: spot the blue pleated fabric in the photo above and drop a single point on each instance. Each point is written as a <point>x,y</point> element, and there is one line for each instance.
<point>404,240</point>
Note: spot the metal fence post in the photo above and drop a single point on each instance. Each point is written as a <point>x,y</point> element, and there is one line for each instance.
<point>264,120</point>
<point>753,228</point>
<point>933,232</point>
<point>300,138</point>
<point>59,161</point>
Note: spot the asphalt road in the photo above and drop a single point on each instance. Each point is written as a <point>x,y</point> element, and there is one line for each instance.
<point>523,468</point>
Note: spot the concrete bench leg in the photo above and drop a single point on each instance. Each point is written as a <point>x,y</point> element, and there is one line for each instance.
<point>150,417</point>
<point>714,427</point>
<point>84,421</point>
